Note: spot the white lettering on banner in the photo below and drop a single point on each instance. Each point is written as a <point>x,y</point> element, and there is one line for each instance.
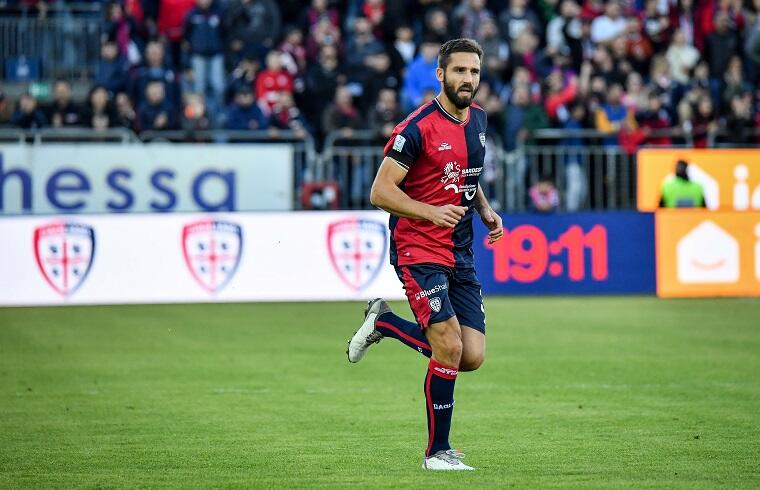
<point>142,258</point>
<point>112,178</point>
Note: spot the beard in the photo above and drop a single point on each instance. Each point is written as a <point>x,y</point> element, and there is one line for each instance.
<point>460,101</point>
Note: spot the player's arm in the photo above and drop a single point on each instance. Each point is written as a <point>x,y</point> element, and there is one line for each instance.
<point>490,217</point>
<point>386,194</point>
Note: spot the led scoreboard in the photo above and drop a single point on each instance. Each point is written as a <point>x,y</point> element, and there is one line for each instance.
<point>569,253</point>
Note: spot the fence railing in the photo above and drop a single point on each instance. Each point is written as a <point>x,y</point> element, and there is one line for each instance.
<point>587,174</point>
<point>63,46</point>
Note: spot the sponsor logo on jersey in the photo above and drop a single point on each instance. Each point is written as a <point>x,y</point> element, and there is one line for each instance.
<point>64,253</point>
<point>435,304</point>
<point>453,173</point>
<point>212,250</point>
<point>444,146</point>
<point>429,292</point>
<point>398,143</point>
<point>357,249</point>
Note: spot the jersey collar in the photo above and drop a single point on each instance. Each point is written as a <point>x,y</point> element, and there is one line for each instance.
<point>450,116</point>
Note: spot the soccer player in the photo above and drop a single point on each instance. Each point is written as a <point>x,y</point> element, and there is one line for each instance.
<point>428,182</point>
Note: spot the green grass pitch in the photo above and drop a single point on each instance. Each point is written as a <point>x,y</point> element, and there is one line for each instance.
<point>575,392</point>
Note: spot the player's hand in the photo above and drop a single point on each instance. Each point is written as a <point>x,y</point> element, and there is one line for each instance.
<point>493,221</point>
<point>448,216</point>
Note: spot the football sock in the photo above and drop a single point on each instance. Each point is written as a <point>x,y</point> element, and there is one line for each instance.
<point>391,325</point>
<point>439,403</point>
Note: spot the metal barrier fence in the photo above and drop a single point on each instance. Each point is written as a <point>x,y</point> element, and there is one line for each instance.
<point>587,175</point>
<point>35,49</point>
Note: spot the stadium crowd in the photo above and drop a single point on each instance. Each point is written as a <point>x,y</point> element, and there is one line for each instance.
<point>632,67</point>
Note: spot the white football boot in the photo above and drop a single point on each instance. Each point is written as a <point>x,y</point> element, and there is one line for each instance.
<point>367,334</point>
<point>449,460</point>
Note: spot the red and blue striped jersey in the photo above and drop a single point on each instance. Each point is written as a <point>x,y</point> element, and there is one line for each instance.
<point>443,157</point>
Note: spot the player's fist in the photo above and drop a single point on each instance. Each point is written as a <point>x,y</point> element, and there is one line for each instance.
<point>447,216</point>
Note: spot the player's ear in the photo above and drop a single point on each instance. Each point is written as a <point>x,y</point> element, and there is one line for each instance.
<point>439,74</point>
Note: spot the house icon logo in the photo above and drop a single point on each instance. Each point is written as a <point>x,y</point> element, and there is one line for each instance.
<point>708,255</point>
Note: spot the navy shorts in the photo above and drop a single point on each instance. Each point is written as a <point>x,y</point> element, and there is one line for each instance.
<point>437,292</point>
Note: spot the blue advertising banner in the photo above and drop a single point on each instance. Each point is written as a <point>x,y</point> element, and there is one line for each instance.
<point>579,253</point>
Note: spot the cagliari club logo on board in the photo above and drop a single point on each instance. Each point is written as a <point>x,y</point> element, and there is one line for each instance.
<point>212,250</point>
<point>64,252</point>
<point>357,249</point>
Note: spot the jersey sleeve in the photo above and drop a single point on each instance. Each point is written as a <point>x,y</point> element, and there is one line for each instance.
<point>404,145</point>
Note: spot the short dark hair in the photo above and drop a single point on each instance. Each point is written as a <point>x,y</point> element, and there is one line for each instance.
<point>461,45</point>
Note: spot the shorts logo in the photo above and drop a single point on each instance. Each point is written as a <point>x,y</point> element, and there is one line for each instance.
<point>64,253</point>
<point>212,250</point>
<point>482,137</point>
<point>398,143</point>
<point>429,292</point>
<point>435,304</point>
<point>357,249</point>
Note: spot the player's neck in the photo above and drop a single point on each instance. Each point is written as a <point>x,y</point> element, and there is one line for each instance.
<point>449,107</point>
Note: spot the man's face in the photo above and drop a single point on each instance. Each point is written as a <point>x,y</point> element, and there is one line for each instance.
<point>461,78</point>
<point>62,91</point>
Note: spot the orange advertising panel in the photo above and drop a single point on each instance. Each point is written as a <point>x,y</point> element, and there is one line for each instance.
<point>730,178</point>
<point>704,253</point>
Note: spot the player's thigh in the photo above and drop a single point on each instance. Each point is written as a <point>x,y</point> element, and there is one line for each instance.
<point>426,287</point>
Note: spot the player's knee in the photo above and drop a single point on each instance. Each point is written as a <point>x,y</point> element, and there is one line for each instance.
<point>471,363</point>
<point>450,349</point>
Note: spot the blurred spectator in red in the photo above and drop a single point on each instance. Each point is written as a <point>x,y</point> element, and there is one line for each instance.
<point>272,80</point>
<point>62,111</point>
<point>385,114</point>
<point>342,115</point>
<point>638,46</point>
<point>155,68</point>
<point>171,22</point>
<point>122,29</point>
<point>612,24</point>
<point>681,56</point>
<point>469,15</point>
<point>287,116</point>
<point>99,113</point>
<point>110,71</point>
<point>156,112</point>
<point>374,12</point>
<point>703,123</point>
<point>559,94</point>
<point>655,119</point>
<point>244,113</point>
<point>544,197</point>
<point>514,20</point>
<point>203,31</point>
<point>27,114</point>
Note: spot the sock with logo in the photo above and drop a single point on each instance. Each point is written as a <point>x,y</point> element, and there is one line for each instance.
<point>391,325</point>
<point>439,404</point>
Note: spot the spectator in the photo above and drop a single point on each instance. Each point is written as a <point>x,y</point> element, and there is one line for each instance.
<point>495,50</point>
<point>516,19</point>
<point>437,25</point>
<point>99,112</point>
<point>521,118</point>
<point>361,45</point>
<point>612,24</point>
<point>636,96</point>
<point>385,114</point>
<point>156,112</point>
<point>420,75</point>
<point>293,52</point>
<point>613,115</point>
<point>244,114</point>
<point>721,45</point>
<point>682,57</point>
<point>544,197</point>
<point>272,80</point>
<point>170,25</point>
<point>324,33</point>
<point>110,71</point>
<point>374,11</point>
<point>121,29</point>
<point>252,22</point>
<point>28,115</point>
<point>563,26</point>
<point>733,83</point>
<point>656,24</point>
<point>703,123</point>
<point>203,31</point>
<point>559,95</point>
<point>155,68</point>
<point>740,122</point>
<point>470,15</point>
<point>655,119</point>
<point>125,112</point>
<point>318,11</point>
<point>680,191</point>
<point>322,80</point>
<point>62,111</point>
<point>195,116</point>
<point>342,115</point>
<point>575,175</point>
<point>286,116</point>
<point>6,111</point>
<point>244,75</point>
<point>404,44</point>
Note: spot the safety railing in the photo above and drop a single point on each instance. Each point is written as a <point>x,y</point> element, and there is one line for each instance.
<point>62,46</point>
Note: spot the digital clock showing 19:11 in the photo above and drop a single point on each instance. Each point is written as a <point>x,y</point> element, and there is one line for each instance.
<point>526,255</point>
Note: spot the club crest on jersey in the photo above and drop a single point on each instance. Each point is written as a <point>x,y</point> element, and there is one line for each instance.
<point>435,304</point>
<point>212,250</point>
<point>357,249</point>
<point>482,137</point>
<point>64,253</point>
